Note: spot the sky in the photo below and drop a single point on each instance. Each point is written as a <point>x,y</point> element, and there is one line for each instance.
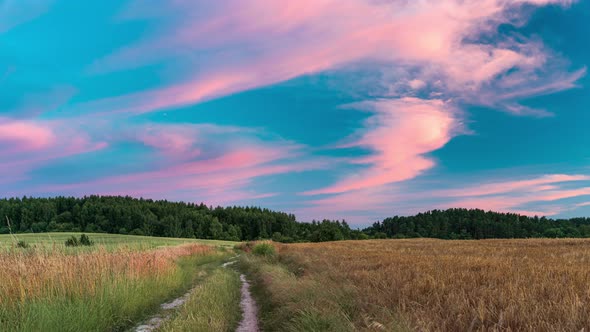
<point>340,109</point>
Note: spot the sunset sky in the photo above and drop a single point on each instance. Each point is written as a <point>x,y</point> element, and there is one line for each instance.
<point>355,109</point>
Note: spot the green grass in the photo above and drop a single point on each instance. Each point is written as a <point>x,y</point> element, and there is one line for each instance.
<point>289,302</point>
<point>213,306</point>
<point>108,241</point>
<point>119,303</point>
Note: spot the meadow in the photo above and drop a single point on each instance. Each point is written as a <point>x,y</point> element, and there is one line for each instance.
<point>109,286</point>
<point>104,240</point>
<point>425,285</point>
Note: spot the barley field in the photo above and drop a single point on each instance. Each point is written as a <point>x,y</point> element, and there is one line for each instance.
<point>428,285</point>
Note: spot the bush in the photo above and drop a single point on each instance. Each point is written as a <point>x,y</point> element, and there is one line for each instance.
<point>83,241</point>
<point>136,231</point>
<point>264,249</point>
<point>22,244</point>
<point>72,242</point>
<point>245,246</point>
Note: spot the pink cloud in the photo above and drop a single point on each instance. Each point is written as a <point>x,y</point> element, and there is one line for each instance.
<point>510,196</point>
<point>174,141</point>
<point>27,145</point>
<point>265,42</point>
<point>530,185</point>
<point>221,179</point>
<point>18,136</point>
<point>544,195</point>
<point>400,133</point>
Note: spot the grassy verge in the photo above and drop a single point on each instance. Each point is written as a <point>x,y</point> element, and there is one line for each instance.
<point>213,306</point>
<point>291,301</point>
<point>97,291</point>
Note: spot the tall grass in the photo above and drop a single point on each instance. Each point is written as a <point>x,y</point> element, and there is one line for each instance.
<point>53,290</point>
<point>291,303</point>
<point>214,305</point>
<point>430,285</point>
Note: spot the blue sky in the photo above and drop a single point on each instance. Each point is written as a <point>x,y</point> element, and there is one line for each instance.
<point>357,110</point>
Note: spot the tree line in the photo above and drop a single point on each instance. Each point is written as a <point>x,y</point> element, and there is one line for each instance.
<point>127,215</point>
<point>477,224</point>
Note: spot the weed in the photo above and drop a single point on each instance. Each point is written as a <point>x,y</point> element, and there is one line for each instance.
<point>264,249</point>
<point>22,244</point>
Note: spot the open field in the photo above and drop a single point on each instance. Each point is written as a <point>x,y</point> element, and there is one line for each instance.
<point>108,241</point>
<point>426,285</point>
<point>109,286</point>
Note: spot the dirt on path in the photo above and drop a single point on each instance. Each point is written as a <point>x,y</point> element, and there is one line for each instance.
<point>249,321</point>
<point>167,308</point>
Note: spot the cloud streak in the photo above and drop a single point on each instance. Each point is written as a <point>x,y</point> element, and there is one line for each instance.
<point>400,133</point>
<point>26,145</point>
<point>258,43</point>
<point>210,163</point>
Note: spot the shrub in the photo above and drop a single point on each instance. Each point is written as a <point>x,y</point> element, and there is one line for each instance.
<point>264,249</point>
<point>22,244</point>
<point>245,246</point>
<point>83,241</point>
<point>72,242</point>
<point>136,231</point>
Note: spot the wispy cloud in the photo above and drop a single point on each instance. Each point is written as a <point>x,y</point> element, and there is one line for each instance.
<point>15,12</point>
<point>212,163</point>
<point>400,133</point>
<point>26,145</point>
<point>542,195</point>
<point>255,43</point>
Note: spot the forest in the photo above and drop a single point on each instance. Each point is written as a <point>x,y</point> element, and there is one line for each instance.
<point>467,224</point>
<point>127,215</point>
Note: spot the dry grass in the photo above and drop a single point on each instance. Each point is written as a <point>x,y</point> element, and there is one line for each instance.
<point>437,285</point>
<point>40,274</point>
<point>57,290</point>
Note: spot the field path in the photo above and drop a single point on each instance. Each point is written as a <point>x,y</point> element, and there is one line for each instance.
<point>249,321</point>
<point>156,321</point>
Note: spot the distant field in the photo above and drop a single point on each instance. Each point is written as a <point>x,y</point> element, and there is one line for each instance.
<point>106,240</point>
<point>426,285</point>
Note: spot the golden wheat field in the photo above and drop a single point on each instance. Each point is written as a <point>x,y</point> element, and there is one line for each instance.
<point>438,285</point>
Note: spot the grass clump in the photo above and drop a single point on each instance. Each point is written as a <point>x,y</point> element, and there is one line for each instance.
<point>22,244</point>
<point>75,242</point>
<point>264,249</point>
<point>214,305</point>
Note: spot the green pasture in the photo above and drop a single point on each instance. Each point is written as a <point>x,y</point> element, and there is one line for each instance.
<point>108,241</point>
